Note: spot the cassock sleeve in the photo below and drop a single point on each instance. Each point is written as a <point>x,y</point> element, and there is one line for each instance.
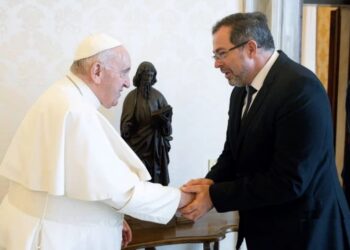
<point>150,202</point>
<point>101,166</point>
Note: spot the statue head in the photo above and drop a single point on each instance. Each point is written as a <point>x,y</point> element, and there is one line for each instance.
<point>146,74</point>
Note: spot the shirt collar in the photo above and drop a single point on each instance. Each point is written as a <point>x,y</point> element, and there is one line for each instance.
<point>260,77</point>
<point>84,90</point>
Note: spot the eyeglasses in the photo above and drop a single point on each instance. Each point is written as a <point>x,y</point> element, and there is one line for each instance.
<point>222,54</point>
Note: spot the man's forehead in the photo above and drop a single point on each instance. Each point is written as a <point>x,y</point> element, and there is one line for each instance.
<point>122,58</point>
<point>221,38</point>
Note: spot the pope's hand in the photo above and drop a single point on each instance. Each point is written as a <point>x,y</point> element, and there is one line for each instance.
<point>126,234</point>
<point>186,198</point>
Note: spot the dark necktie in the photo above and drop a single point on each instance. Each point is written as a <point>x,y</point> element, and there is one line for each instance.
<point>250,92</point>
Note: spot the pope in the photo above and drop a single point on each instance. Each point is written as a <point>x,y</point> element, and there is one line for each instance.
<point>72,177</point>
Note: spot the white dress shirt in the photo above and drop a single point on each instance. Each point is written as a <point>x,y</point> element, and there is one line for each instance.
<point>260,78</point>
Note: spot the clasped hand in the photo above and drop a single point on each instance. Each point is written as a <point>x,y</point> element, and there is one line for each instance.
<point>201,202</point>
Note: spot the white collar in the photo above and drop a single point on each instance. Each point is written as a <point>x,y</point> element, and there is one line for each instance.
<point>260,77</point>
<point>84,90</point>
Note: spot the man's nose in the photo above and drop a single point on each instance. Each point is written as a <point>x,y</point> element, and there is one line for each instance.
<point>127,83</point>
<point>217,63</point>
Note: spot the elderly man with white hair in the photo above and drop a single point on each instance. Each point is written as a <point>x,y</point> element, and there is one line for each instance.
<point>72,177</point>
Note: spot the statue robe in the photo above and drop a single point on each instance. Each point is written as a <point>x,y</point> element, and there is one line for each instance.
<point>146,127</point>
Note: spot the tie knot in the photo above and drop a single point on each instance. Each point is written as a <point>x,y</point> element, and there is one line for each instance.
<point>250,90</point>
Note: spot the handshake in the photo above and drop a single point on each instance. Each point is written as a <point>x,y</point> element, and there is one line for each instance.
<point>195,199</point>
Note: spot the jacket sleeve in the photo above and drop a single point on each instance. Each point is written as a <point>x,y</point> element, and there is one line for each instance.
<point>100,166</point>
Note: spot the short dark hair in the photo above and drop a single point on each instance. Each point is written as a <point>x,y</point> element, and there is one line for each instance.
<point>247,26</point>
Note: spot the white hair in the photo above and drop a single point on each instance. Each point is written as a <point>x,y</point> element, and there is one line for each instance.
<point>83,66</point>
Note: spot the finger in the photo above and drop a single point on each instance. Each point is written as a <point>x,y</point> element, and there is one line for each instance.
<point>191,189</point>
<point>186,189</point>
<point>126,240</point>
<point>190,208</point>
<point>195,215</point>
<point>190,216</point>
<point>129,237</point>
<point>125,243</point>
<point>194,182</point>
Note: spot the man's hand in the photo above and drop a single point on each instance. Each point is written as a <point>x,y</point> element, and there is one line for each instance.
<point>202,202</point>
<point>126,233</point>
<point>200,181</point>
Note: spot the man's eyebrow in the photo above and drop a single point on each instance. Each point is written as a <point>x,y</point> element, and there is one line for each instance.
<point>126,70</point>
<point>218,50</point>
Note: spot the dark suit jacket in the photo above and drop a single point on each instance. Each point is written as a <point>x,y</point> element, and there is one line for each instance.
<point>277,166</point>
<point>346,168</point>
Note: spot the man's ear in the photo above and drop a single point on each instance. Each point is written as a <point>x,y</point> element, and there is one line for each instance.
<point>96,72</point>
<point>252,48</point>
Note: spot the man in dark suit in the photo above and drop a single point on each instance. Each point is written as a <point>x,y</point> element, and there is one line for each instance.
<point>277,166</point>
<point>346,168</point>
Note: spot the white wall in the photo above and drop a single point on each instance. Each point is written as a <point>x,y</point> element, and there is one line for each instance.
<point>308,42</point>
<point>38,38</point>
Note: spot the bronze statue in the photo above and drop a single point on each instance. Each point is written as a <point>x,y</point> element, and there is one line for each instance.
<point>146,123</point>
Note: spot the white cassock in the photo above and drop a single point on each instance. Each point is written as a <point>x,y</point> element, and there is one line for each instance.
<point>73,177</point>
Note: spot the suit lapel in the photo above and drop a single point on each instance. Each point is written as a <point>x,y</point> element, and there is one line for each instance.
<point>261,95</point>
<point>237,100</point>
<point>236,109</point>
